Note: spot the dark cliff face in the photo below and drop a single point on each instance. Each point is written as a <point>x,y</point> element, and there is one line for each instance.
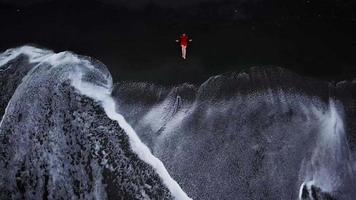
<point>56,143</point>
<point>258,134</point>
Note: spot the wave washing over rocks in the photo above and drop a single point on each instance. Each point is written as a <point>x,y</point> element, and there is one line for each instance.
<point>67,132</point>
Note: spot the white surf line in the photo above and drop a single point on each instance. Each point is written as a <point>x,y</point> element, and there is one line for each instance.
<point>34,54</point>
<point>103,95</point>
<point>3,116</point>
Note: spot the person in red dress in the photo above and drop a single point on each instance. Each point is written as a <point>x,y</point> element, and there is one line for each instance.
<point>184,43</point>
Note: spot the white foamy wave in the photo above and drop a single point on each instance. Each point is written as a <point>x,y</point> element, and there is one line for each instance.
<point>103,96</point>
<point>329,165</point>
<point>34,54</point>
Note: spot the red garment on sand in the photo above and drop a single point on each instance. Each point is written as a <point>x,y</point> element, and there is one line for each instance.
<point>184,40</point>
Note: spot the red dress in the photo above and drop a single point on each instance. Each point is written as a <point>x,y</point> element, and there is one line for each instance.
<point>183,40</point>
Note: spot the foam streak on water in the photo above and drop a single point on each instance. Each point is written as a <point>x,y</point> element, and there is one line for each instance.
<point>329,166</point>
